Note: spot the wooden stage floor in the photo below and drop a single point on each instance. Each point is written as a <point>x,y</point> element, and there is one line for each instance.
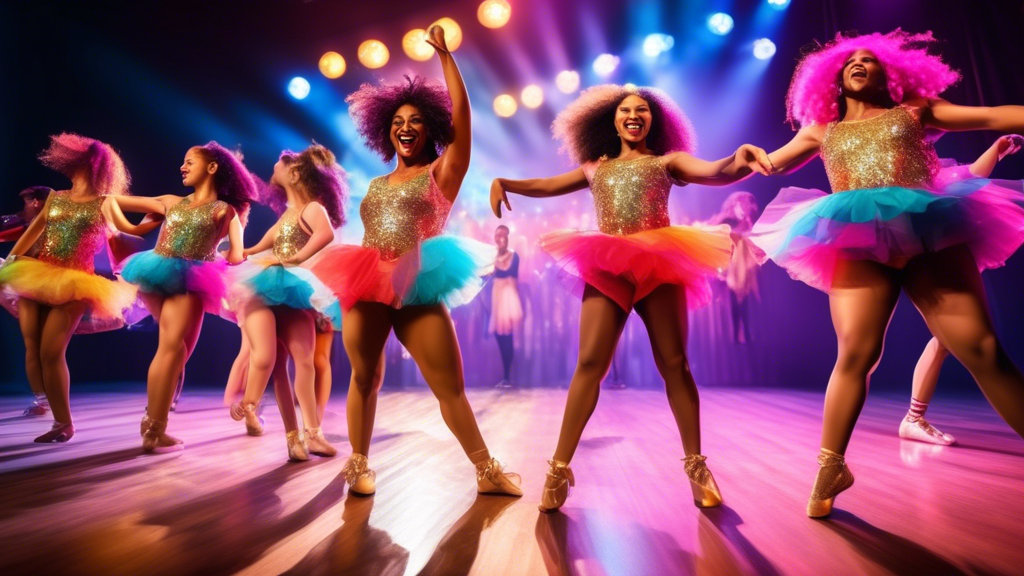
<point>231,504</point>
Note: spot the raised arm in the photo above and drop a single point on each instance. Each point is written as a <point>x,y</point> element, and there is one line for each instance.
<point>31,234</point>
<point>535,188</point>
<point>1003,146</point>
<point>747,160</point>
<point>454,163</point>
<point>320,224</point>
<point>938,113</point>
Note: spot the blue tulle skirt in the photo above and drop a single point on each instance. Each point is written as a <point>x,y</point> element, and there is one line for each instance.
<point>275,285</point>
<point>165,276</point>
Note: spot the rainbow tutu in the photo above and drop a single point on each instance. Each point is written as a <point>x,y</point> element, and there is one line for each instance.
<point>296,287</point>
<point>808,231</point>
<point>628,268</point>
<point>165,276</point>
<point>444,269</point>
<point>55,285</point>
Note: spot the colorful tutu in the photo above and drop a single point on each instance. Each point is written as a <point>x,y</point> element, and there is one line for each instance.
<point>163,276</point>
<point>628,268</point>
<point>275,285</point>
<point>808,231</point>
<point>55,285</point>
<point>443,270</point>
<point>506,307</point>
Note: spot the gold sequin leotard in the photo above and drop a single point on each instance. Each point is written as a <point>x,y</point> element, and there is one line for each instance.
<point>191,231</point>
<point>74,232</point>
<point>291,237</point>
<point>631,195</point>
<point>397,217</point>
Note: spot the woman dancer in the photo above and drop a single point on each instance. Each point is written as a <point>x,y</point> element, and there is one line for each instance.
<point>739,211</point>
<point>926,373</point>
<point>864,104</point>
<point>276,297</point>
<point>406,272</point>
<point>632,145</point>
<point>506,308</point>
<point>57,293</point>
<point>181,278</point>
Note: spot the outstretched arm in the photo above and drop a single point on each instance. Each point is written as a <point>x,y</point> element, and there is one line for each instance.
<point>535,188</point>
<point>1002,147</point>
<point>35,228</point>
<point>112,212</point>
<point>938,113</point>
<point>315,215</point>
<point>798,151</point>
<point>747,160</point>
<point>454,163</point>
<point>265,243</point>
<point>148,205</point>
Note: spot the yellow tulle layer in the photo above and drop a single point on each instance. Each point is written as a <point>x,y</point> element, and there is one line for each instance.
<point>55,285</point>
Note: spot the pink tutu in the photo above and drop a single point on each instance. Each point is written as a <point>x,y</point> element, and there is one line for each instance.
<point>506,307</point>
<point>628,268</point>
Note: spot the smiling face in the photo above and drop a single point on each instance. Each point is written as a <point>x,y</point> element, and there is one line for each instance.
<point>196,168</point>
<point>862,74</point>
<point>408,131</point>
<point>633,119</point>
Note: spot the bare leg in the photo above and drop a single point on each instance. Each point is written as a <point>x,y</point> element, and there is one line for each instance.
<point>365,330</point>
<point>179,315</point>
<point>239,372</point>
<point>601,324</point>
<point>947,289</point>
<point>61,322</point>
<point>31,318</point>
<point>261,329</point>
<point>283,390</point>
<point>298,332</point>
<point>926,377</point>
<point>322,367</point>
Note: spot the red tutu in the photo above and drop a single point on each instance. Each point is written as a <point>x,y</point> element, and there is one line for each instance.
<point>628,268</point>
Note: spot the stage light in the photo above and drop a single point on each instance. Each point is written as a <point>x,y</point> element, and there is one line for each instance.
<point>764,49</point>
<point>414,43</point>
<point>298,87</point>
<point>720,23</point>
<point>532,96</point>
<point>778,4</point>
<point>373,54</point>
<point>655,44</point>
<point>605,64</point>
<point>567,81</point>
<point>452,33</point>
<point>505,106</point>
<point>494,13</point>
<point>332,65</point>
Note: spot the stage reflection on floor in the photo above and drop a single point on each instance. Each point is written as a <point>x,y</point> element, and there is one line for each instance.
<point>231,504</point>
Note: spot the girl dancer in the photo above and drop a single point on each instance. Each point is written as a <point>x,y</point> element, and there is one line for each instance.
<point>181,278</point>
<point>632,145</point>
<point>57,293</point>
<point>506,308</point>
<point>926,373</point>
<point>739,211</point>
<point>406,271</point>
<point>276,297</point>
<point>864,104</point>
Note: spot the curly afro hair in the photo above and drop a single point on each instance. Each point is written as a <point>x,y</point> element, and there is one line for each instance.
<point>320,176</point>
<point>232,180</point>
<point>68,153</point>
<point>373,106</point>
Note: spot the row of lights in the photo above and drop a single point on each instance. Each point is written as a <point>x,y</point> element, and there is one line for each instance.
<point>505,105</point>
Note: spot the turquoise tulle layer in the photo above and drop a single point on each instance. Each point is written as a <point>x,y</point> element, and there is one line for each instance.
<point>450,271</point>
<point>294,287</point>
<point>163,276</point>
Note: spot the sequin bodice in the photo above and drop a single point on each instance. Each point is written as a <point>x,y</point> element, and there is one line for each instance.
<point>190,231</point>
<point>885,150</point>
<point>74,232</point>
<point>397,217</point>
<point>290,236</point>
<point>631,195</point>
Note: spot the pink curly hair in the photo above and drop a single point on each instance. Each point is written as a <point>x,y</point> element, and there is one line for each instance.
<point>373,107</point>
<point>586,127</point>
<point>910,71</point>
<point>68,153</point>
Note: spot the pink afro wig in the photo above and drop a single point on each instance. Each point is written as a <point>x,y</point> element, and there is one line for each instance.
<point>373,106</point>
<point>68,153</point>
<point>910,71</point>
<point>587,126</point>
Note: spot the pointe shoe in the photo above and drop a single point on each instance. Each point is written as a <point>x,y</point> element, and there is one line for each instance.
<point>318,444</point>
<point>157,441</point>
<point>361,478</point>
<point>919,429</point>
<point>38,407</point>
<point>145,424</point>
<point>705,491</point>
<point>297,451</point>
<point>833,477</point>
<point>556,486</point>
<point>253,421</point>
<point>58,433</point>
<point>491,478</point>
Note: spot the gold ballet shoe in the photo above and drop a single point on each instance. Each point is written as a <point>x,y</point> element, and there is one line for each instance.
<point>833,477</point>
<point>297,451</point>
<point>253,421</point>
<point>556,486</point>
<point>144,425</point>
<point>705,491</point>
<point>157,441</point>
<point>491,478</point>
<point>318,444</point>
<point>360,477</point>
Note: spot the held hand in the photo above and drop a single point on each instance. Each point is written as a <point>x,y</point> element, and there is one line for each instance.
<point>754,158</point>
<point>435,37</point>
<point>1009,144</point>
<point>498,197</point>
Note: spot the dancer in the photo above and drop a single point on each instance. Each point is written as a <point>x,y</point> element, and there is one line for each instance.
<point>407,273</point>
<point>864,104</point>
<point>506,307</point>
<point>276,297</point>
<point>632,145</point>
<point>926,373</point>
<point>739,211</point>
<point>182,278</point>
<point>57,293</point>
